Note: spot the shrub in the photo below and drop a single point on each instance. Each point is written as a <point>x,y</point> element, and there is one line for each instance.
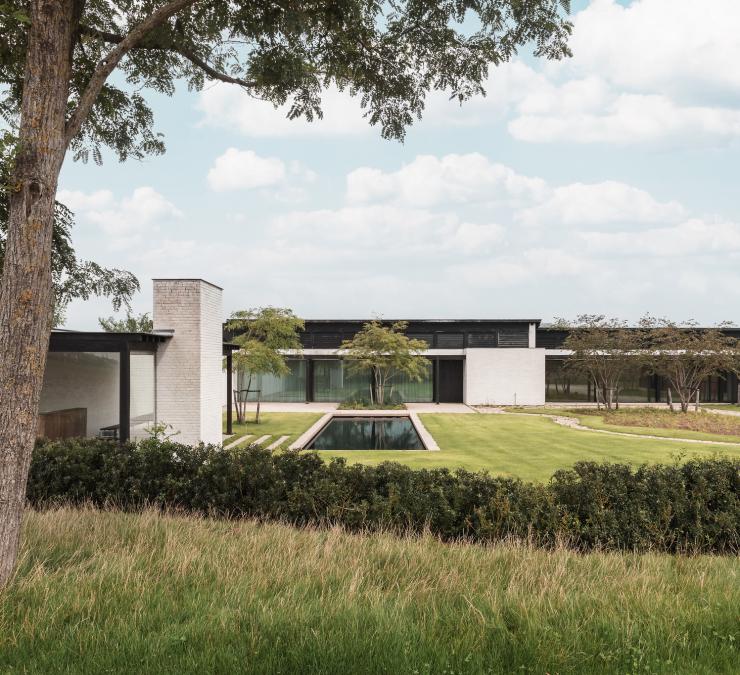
<point>689,507</point>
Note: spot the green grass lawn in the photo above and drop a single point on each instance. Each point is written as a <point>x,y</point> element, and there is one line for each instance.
<point>526,446</point>
<point>594,421</point>
<point>275,424</point>
<point>108,592</point>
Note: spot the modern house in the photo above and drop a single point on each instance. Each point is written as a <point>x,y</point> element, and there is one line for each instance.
<point>120,384</point>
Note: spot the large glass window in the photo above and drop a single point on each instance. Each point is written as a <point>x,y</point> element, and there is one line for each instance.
<point>283,388</point>
<point>334,381</point>
<point>142,396</point>
<point>637,387</point>
<point>562,384</point>
<point>412,391</point>
<point>80,396</point>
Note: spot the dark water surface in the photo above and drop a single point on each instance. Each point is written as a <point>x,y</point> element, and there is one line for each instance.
<point>368,433</point>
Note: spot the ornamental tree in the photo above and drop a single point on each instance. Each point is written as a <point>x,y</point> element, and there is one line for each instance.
<point>264,335</point>
<point>385,352</point>
<point>56,93</point>
<point>685,355</point>
<point>604,350</point>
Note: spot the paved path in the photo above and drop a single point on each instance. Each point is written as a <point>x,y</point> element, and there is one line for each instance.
<point>573,423</point>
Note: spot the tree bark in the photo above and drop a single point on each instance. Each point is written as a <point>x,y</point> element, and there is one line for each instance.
<point>25,290</point>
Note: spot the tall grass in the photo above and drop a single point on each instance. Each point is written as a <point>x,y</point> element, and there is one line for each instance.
<point>112,592</point>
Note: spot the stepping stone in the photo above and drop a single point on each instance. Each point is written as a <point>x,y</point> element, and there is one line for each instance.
<point>238,441</point>
<point>262,439</point>
<point>278,442</point>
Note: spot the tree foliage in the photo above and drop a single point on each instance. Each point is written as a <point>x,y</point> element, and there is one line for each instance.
<point>685,355</point>
<point>131,324</point>
<point>604,350</point>
<point>386,353</point>
<point>264,335</point>
<point>71,278</point>
<point>388,54</point>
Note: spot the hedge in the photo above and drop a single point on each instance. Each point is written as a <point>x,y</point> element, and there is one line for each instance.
<point>690,507</point>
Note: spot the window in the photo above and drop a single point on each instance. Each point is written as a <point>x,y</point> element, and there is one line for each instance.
<point>290,388</point>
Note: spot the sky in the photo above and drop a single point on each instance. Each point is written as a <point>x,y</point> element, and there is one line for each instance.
<point>606,184</point>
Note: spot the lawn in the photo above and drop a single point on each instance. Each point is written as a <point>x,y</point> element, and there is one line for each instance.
<point>109,592</point>
<point>526,446</point>
<point>276,425</point>
<point>652,422</point>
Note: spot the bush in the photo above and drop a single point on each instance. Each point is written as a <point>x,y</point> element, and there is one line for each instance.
<point>689,507</point>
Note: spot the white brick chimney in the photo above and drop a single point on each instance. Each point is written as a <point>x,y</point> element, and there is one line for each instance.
<point>189,365</point>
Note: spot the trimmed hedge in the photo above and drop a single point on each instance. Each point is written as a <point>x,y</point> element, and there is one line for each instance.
<point>688,507</point>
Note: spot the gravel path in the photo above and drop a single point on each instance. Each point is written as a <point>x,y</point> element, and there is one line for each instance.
<point>573,423</point>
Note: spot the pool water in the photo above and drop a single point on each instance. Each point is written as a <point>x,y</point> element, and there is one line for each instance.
<point>368,433</point>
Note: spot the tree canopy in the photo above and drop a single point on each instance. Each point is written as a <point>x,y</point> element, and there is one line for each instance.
<point>604,349</point>
<point>386,352</point>
<point>389,54</point>
<point>685,355</point>
<point>131,324</point>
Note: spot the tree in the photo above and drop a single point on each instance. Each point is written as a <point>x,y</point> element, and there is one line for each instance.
<point>56,58</point>
<point>385,352</point>
<point>131,324</point>
<point>602,349</point>
<point>264,335</point>
<point>685,355</point>
<point>71,278</point>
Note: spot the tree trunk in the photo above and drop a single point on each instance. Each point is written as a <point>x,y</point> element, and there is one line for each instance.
<point>670,399</point>
<point>25,290</point>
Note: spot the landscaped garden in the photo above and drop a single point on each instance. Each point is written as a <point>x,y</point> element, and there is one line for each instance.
<point>99,592</point>
<point>525,446</point>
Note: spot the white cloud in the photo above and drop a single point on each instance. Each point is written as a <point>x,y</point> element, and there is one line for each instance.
<point>600,203</point>
<point>627,118</point>
<point>679,46</point>
<point>76,200</point>
<point>245,170</point>
<point>429,180</point>
<point>231,108</point>
<point>124,221</point>
<point>695,237</point>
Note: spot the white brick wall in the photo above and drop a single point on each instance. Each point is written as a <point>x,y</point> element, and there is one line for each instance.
<point>504,376</point>
<point>189,371</point>
<point>83,380</point>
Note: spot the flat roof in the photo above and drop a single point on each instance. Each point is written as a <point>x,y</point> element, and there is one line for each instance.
<point>210,283</point>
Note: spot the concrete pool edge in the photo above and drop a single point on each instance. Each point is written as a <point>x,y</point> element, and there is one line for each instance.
<point>430,445</point>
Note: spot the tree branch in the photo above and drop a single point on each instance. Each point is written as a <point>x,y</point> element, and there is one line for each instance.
<point>109,63</point>
<point>190,55</point>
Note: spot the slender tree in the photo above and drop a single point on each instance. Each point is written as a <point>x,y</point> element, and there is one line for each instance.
<point>385,352</point>
<point>685,355</point>
<point>603,350</point>
<point>56,58</point>
<point>265,337</point>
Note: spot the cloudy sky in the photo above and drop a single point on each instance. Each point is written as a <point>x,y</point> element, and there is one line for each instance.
<point>607,183</point>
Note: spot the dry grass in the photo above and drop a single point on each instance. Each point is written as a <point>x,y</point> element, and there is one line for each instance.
<point>111,592</point>
<point>710,423</point>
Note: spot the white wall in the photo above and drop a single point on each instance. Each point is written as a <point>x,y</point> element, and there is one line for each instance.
<point>189,365</point>
<point>83,380</point>
<point>504,376</point>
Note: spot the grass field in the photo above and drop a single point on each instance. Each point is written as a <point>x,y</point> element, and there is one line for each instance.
<point>275,424</point>
<point>109,592</point>
<point>652,422</point>
<point>526,446</point>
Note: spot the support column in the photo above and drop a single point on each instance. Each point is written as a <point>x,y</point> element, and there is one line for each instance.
<point>124,395</point>
<point>229,395</point>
